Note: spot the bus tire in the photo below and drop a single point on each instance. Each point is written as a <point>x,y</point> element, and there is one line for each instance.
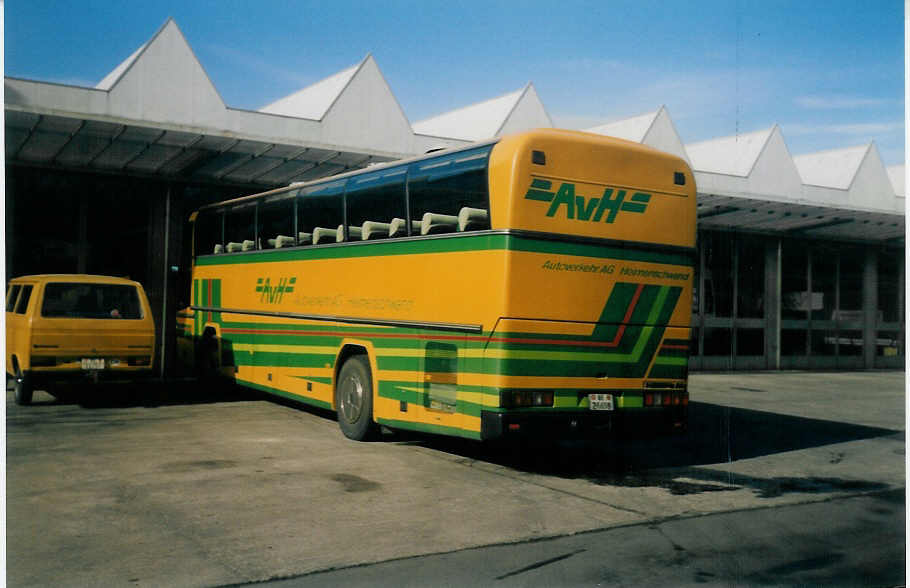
<point>207,356</point>
<point>354,399</point>
<point>23,388</point>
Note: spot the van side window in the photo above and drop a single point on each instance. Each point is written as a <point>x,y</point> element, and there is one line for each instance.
<point>22,305</point>
<point>11,297</point>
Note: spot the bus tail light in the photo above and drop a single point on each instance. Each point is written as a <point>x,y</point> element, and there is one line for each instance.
<point>525,398</point>
<point>665,394</point>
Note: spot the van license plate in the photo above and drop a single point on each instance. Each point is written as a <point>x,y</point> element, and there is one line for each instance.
<point>600,401</point>
<point>93,363</point>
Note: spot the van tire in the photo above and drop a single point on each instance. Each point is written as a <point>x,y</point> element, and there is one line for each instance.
<point>23,388</point>
<point>354,399</point>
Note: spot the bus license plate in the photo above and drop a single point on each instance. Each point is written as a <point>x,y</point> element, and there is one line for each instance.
<point>93,363</point>
<point>600,401</point>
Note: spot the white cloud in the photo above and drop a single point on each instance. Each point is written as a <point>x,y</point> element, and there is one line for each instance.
<point>838,102</point>
<point>859,129</point>
<point>269,68</point>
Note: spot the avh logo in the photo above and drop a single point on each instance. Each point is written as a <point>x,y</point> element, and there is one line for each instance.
<point>586,209</point>
<point>272,294</point>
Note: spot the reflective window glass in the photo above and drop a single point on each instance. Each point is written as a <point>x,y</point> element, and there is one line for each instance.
<point>320,211</point>
<point>446,184</point>
<point>718,282</point>
<point>11,297</point>
<point>750,290</point>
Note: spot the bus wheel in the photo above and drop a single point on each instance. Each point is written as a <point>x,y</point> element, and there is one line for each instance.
<point>207,356</point>
<point>23,388</point>
<point>354,399</point>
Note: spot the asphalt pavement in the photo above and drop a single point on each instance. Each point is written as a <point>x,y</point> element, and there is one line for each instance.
<point>174,484</point>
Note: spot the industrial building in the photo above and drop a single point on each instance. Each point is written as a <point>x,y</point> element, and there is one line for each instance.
<point>800,259</point>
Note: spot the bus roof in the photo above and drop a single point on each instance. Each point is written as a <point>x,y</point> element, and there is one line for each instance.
<point>379,166</point>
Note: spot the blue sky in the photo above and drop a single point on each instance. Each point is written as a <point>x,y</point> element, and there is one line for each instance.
<point>830,73</point>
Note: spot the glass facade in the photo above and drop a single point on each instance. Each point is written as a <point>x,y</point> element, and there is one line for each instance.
<point>772,302</point>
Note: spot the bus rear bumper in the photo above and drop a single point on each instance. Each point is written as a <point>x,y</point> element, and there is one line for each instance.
<point>582,424</point>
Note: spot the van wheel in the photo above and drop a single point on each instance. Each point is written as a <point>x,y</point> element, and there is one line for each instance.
<point>23,388</point>
<point>354,399</point>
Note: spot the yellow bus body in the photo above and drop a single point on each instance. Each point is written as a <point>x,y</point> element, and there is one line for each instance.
<point>552,297</point>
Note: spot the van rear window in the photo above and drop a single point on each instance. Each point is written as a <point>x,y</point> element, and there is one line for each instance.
<point>94,301</point>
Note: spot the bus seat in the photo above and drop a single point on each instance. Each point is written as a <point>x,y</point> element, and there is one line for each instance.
<point>248,245</point>
<point>219,248</point>
<point>472,219</point>
<point>433,223</point>
<point>398,227</point>
<point>322,235</point>
<point>282,241</point>
<point>305,238</point>
<point>353,232</point>
<point>233,247</point>
<point>374,230</point>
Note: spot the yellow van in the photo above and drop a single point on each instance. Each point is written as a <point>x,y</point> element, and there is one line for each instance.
<point>76,327</point>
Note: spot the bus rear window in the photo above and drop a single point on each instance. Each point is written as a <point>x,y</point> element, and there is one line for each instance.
<point>94,301</point>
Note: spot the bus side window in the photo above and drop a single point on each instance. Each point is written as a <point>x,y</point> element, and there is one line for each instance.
<point>276,221</point>
<point>208,232</point>
<point>320,207</point>
<point>373,200</point>
<point>451,192</point>
<point>240,228</point>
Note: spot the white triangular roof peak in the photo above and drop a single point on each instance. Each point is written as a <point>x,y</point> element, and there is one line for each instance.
<point>734,155</point>
<point>488,118</point>
<point>834,168</point>
<point>163,81</point>
<point>111,78</point>
<point>632,129</point>
<point>898,176</point>
<point>314,101</point>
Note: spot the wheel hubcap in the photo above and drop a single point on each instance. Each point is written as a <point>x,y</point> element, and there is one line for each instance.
<point>351,399</point>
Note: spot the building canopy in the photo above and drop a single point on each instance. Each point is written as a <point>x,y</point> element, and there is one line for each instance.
<point>158,114</point>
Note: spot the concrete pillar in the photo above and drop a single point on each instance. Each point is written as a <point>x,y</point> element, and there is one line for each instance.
<point>12,187</point>
<point>82,245</point>
<point>772,303</point>
<point>870,306</point>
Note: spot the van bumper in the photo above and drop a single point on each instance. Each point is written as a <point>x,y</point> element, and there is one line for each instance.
<point>44,377</point>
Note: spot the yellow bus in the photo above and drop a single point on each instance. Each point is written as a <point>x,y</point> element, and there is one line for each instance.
<point>540,283</point>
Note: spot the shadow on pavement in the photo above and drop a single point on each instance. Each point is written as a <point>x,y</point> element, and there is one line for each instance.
<point>145,394</point>
<point>717,435</point>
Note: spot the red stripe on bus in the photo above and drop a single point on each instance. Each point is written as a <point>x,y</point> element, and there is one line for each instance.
<point>612,343</point>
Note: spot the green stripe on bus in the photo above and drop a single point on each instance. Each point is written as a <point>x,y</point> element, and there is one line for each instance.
<point>427,428</point>
<point>455,244</point>
<point>284,394</point>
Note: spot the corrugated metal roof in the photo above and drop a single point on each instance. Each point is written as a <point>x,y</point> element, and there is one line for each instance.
<point>110,79</point>
<point>735,155</point>
<point>314,101</point>
<point>898,176</point>
<point>831,169</point>
<point>472,123</point>
<point>632,129</point>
